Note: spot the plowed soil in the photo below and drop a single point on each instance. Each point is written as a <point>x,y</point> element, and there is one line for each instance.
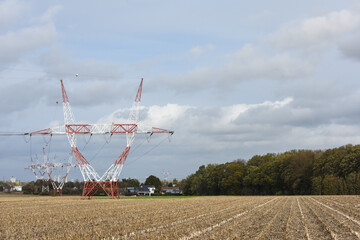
<point>220,217</point>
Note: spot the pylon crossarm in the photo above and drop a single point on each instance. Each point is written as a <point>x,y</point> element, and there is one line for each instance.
<point>160,130</point>
<point>95,129</point>
<point>79,128</point>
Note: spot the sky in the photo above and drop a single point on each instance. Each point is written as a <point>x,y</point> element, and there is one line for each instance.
<point>233,79</point>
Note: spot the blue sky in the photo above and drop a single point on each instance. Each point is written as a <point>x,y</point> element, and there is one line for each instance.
<point>232,79</point>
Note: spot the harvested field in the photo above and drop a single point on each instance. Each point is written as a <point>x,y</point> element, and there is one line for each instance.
<point>223,217</point>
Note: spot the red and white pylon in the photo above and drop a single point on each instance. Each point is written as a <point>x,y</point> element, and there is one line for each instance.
<point>92,180</point>
<point>43,171</point>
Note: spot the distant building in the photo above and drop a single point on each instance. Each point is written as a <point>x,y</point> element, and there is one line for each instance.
<point>16,189</point>
<point>15,185</point>
<point>128,191</point>
<point>142,190</point>
<point>171,190</point>
<point>146,190</point>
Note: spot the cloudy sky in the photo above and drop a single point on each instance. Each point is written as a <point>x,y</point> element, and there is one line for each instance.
<point>231,78</point>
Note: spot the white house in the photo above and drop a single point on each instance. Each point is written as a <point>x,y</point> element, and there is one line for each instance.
<point>17,189</point>
<point>146,190</point>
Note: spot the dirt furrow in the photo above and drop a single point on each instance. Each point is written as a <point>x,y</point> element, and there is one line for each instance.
<point>217,225</point>
<point>315,227</point>
<point>195,216</point>
<point>286,233</point>
<point>333,226</point>
<point>296,223</point>
<point>347,222</point>
<point>277,229</point>
<point>346,209</point>
<point>251,225</point>
<point>237,227</point>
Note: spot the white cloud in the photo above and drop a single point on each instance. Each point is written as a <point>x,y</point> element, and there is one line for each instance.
<point>17,43</point>
<point>267,126</point>
<point>196,51</point>
<point>50,13</point>
<point>10,11</point>
<point>249,63</point>
<point>199,50</point>
<point>316,31</point>
<point>154,116</point>
<point>163,116</point>
<point>206,124</point>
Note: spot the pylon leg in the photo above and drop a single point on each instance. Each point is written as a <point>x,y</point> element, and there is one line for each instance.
<point>111,189</point>
<point>91,188</point>
<point>56,191</point>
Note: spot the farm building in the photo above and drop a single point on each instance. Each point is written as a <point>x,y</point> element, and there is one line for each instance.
<point>171,190</point>
<point>146,190</point>
<point>16,189</point>
<point>142,190</point>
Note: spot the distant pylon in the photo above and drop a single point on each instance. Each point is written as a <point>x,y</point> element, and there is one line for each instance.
<point>166,174</point>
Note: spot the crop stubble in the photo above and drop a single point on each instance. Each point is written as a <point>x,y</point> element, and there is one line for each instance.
<point>222,217</point>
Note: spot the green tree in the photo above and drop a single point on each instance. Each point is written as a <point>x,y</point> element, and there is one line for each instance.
<point>333,185</point>
<point>129,182</point>
<point>153,180</point>
<point>353,183</point>
<point>187,183</point>
<point>252,180</point>
<point>3,185</point>
<point>28,188</point>
<point>298,171</point>
<point>316,185</point>
<point>232,179</point>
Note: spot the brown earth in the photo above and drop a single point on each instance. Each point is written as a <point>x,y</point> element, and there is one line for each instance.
<point>221,217</point>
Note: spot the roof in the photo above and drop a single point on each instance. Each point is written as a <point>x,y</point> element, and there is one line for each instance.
<point>145,188</point>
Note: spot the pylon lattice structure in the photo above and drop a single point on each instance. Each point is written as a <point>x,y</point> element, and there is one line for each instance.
<point>59,180</point>
<point>166,174</point>
<point>43,171</point>
<point>92,180</point>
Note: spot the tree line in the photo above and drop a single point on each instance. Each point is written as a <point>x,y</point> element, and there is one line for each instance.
<point>296,172</point>
<point>333,171</point>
